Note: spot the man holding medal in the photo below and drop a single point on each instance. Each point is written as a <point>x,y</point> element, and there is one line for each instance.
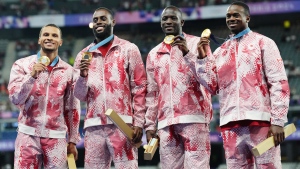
<point>41,86</point>
<point>111,75</point>
<point>179,109</point>
<point>248,74</point>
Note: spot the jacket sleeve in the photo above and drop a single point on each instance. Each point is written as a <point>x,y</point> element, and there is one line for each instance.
<point>191,57</point>
<point>277,81</point>
<point>205,70</point>
<point>20,84</point>
<point>72,114</point>
<point>80,88</point>
<point>138,86</point>
<point>151,97</point>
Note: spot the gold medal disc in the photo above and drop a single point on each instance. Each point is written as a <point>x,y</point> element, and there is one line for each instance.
<point>87,56</point>
<point>169,39</point>
<point>206,33</point>
<point>44,60</point>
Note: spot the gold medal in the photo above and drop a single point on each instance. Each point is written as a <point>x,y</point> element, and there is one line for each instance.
<point>87,56</point>
<point>206,33</point>
<point>169,39</point>
<point>44,60</point>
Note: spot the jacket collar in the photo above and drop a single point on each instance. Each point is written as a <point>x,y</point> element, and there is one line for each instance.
<point>115,42</point>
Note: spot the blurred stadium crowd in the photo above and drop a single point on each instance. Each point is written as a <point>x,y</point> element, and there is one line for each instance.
<point>36,7</point>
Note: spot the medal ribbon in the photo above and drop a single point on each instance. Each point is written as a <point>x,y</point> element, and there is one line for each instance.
<point>101,43</point>
<point>212,37</point>
<point>244,32</point>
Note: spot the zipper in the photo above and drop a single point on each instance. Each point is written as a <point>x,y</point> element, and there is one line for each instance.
<point>46,102</point>
<point>104,84</point>
<point>171,94</point>
<point>103,74</point>
<point>237,77</point>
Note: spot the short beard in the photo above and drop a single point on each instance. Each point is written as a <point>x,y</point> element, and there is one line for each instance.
<point>175,32</point>
<point>48,50</point>
<point>106,33</point>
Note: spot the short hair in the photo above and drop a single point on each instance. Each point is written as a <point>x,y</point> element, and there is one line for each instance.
<point>51,25</point>
<point>174,7</point>
<point>244,5</point>
<point>108,10</point>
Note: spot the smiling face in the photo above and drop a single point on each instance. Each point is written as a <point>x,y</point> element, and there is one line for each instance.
<point>50,39</point>
<point>103,24</point>
<point>237,19</point>
<point>171,21</point>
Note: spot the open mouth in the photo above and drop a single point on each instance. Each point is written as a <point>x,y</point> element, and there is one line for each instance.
<point>232,25</point>
<point>48,43</point>
<point>100,28</point>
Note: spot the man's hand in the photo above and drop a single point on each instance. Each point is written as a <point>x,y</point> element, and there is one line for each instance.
<point>137,134</point>
<point>278,133</point>
<point>151,134</point>
<point>203,47</point>
<point>72,149</point>
<point>37,69</point>
<point>84,67</point>
<point>181,43</point>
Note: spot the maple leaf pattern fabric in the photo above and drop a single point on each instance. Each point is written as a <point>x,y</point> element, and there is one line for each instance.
<point>116,81</point>
<point>249,76</point>
<point>32,151</point>
<point>47,104</point>
<point>107,143</point>
<point>184,146</point>
<point>238,144</point>
<point>173,93</point>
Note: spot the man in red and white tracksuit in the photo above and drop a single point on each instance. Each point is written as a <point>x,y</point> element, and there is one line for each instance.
<point>177,105</point>
<point>248,74</point>
<point>48,109</point>
<point>115,79</point>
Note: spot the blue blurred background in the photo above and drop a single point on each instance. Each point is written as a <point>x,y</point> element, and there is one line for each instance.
<point>138,22</point>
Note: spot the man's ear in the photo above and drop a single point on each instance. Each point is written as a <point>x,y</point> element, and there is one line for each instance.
<point>113,22</point>
<point>39,41</point>
<point>248,19</point>
<point>182,22</point>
